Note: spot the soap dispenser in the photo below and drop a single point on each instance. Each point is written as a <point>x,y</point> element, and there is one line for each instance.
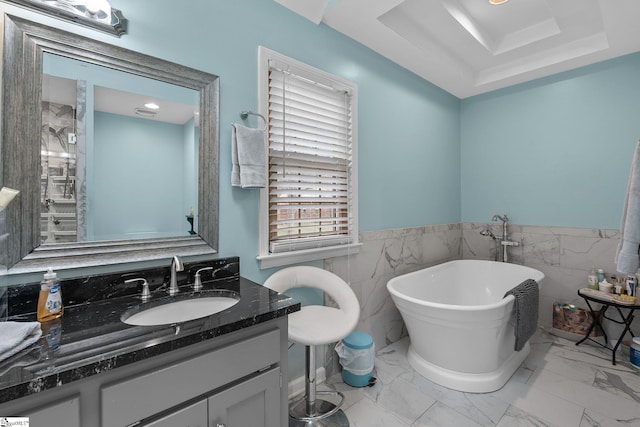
<point>50,298</point>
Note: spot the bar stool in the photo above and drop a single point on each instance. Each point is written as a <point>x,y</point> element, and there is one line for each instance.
<point>317,325</point>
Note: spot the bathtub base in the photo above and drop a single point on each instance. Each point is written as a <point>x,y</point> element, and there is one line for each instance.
<point>462,381</point>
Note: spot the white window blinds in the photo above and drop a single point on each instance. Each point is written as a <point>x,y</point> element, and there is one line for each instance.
<point>311,196</point>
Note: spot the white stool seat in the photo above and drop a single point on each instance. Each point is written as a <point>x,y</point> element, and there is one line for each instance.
<point>317,325</point>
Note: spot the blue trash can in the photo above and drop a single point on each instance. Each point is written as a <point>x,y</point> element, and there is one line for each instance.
<point>356,353</point>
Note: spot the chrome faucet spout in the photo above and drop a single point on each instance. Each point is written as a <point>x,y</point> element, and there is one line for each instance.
<point>500,218</point>
<point>504,240</point>
<point>176,265</point>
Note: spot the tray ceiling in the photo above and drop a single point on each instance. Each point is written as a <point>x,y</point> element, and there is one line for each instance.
<point>468,47</point>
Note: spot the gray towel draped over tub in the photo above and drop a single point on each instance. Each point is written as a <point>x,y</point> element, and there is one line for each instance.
<point>526,305</point>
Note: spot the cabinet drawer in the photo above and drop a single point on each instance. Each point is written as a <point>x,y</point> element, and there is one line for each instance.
<point>65,413</point>
<point>254,403</point>
<point>192,416</point>
<point>138,398</point>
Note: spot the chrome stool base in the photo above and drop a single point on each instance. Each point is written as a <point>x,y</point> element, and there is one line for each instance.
<point>325,414</point>
<point>336,419</point>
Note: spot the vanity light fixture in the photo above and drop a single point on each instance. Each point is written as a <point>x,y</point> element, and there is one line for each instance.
<point>152,106</point>
<point>96,14</point>
<point>498,1</point>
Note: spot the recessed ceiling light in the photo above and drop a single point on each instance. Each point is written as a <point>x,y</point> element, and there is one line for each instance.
<point>498,1</point>
<point>145,113</point>
<point>152,105</point>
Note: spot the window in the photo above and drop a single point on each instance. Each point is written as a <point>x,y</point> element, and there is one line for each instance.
<point>309,209</point>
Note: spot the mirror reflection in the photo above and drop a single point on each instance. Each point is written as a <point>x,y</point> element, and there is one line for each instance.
<point>118,155</point>
<point>116,195</point>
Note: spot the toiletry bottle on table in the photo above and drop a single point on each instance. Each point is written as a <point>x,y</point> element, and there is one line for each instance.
<point>50,298</point>
<point>632,283</point>
<point>592,279</point>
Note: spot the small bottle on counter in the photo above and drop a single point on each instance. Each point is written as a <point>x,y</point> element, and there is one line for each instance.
<point>632,283</point>
<point>50,298</point>
<point>52,331</point>
<point>592,279</point>
<point>600,274</point>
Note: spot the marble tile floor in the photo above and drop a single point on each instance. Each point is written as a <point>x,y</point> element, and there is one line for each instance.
<point>558,385</point>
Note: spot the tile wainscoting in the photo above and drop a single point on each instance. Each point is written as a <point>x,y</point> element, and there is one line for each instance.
<point>565,255</point>
<point>386,254</point>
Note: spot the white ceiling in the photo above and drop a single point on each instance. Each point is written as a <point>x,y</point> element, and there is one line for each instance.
<point>468,47</point>
<point>63,91</point>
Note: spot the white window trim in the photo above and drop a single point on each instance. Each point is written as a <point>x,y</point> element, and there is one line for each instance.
<point>267,259</point>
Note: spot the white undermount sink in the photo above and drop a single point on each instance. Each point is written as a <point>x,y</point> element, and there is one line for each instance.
<point>179,311</point>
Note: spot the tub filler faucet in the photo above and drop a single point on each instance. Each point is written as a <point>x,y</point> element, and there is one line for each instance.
<point>504,239</point>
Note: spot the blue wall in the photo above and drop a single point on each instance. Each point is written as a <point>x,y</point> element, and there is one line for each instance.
<point>556,151</point>
<point>140,163</point>
<point>409,152</point>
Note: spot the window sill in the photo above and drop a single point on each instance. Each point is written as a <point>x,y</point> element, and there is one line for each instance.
<point>296,257</point>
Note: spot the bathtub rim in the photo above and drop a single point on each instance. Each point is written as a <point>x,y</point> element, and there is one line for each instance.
<point>506,300</point>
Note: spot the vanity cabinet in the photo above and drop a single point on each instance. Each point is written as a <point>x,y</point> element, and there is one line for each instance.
<point>64,413</point>
<point>138,398</point>
<point>253,402</point>
<point>194,415</point>
<point>236,380</point>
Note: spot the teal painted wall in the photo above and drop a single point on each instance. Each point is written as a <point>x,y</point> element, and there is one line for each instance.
<point>409,152</point>
<point>141,164</point>
<point>556,151</point>
<point>409,133</point>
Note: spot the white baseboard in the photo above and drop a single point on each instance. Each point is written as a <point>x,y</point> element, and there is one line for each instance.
<point>296,385</point>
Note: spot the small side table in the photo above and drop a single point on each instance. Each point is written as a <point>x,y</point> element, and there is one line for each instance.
<point>590,295</point>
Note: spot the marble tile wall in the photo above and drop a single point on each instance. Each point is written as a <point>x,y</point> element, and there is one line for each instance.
<point>384,255</point>
<point>565,255</point>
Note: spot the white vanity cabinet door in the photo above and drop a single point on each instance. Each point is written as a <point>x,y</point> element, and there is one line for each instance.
<point>191,416</point>
<point>180,382</point>
<point>254,402</point>
<point>65,413</point>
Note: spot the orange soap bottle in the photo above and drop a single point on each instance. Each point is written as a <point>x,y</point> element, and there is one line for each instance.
<point>50,298</point>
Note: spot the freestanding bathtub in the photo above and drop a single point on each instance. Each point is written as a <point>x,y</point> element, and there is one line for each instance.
<point>460,326</point>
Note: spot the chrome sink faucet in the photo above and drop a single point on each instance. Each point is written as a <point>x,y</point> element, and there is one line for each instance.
<point>504,240</point>
<point>176,265</point>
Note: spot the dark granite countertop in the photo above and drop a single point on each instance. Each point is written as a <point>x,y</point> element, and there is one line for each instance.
<point>90,338</point>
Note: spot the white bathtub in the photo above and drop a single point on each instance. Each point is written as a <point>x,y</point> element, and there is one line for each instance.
<point>460,326</point>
